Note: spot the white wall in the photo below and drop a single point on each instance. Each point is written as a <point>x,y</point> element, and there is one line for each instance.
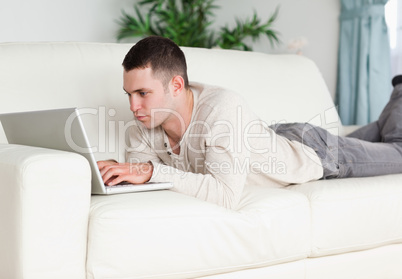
<point>60,20</point>
<point>315,20</point>
<point>95,21</point>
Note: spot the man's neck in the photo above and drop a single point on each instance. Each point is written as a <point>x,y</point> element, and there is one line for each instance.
<point>178,124</point>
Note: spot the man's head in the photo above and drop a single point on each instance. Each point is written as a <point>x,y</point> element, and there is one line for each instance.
<point>155,80</point>
<point>160,54</point>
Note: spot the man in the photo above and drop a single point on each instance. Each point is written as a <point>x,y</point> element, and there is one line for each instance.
<point>209,143</point>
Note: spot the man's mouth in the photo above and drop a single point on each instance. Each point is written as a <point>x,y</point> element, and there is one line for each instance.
<point>140,117</point>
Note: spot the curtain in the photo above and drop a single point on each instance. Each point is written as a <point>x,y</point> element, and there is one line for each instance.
<point>395,30</point>
<point>364,70</point>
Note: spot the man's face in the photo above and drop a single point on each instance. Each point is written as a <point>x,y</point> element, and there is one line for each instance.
<point>149,102</point>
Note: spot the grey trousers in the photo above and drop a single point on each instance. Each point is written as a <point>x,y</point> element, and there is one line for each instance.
<point>374,149</point>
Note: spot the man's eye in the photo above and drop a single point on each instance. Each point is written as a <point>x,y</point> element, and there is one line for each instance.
<point>143,93</point>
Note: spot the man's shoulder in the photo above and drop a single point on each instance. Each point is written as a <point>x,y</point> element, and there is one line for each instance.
<point>217,103</point>
<point>215,95</point>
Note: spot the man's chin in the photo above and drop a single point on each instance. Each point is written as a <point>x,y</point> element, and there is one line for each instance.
<point>148,124</point>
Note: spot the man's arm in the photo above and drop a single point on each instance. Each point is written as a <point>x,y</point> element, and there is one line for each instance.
<point>222,181</point>
<point>217,160</point>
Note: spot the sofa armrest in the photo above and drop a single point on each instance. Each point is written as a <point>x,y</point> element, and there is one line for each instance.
<point>44,209</point>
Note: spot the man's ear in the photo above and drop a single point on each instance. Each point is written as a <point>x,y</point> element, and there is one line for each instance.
<point>177,85</point>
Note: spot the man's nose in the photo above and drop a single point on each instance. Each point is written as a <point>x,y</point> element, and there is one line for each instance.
<point>135,103</point>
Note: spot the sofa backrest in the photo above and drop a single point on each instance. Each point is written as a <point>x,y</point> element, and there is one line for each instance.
<point>36,76</point>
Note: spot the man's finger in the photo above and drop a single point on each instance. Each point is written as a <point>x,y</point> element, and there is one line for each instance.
<point>116,180</point>
<point>109,172</point>
<point>115,171</point>
<point>102,164</point>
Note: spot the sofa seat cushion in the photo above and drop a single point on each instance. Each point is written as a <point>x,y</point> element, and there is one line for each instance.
<point>354,214</point>
<point>170,235</point>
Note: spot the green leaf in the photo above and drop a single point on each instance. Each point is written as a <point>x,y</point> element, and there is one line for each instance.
<point>189,23</point>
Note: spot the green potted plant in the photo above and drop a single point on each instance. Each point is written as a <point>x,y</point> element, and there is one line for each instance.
<point>188,23</point>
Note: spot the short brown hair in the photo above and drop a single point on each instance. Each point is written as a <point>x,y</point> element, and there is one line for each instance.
<point>162,55</point>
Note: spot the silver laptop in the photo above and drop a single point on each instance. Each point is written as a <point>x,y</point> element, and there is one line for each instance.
<point>62,129</point>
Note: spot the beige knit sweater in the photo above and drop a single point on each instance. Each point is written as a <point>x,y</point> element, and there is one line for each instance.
<point>225,147</point>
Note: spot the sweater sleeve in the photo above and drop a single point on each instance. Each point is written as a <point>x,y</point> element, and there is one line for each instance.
<point>220,184</point>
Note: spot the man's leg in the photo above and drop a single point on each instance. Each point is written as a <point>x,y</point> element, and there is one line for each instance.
<point>390,120</point>
<point>369,132</point>
<point>344,156</point>
<point>378,131</point>
<point>353,156</point>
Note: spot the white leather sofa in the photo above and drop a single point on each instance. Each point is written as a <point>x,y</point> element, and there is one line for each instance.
<point>51,227</point>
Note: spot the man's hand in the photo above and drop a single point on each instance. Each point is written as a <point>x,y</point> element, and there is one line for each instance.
<point>113,173</point>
